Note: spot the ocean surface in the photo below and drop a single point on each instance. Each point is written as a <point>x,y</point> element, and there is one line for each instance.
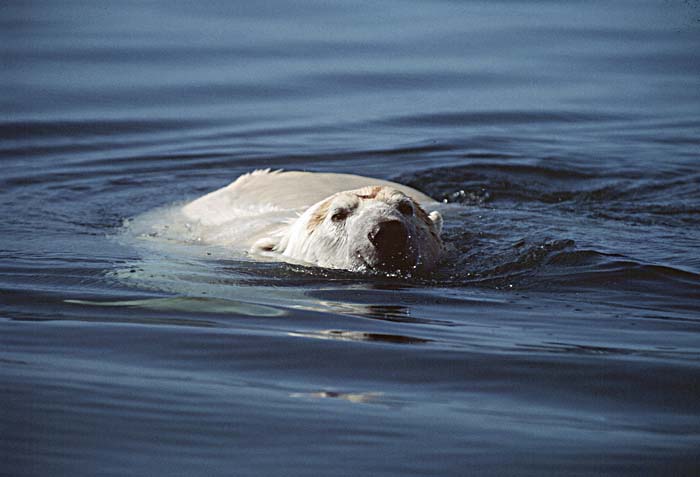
<point>560,335</point>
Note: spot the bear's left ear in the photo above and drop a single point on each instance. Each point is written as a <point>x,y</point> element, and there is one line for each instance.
<point>436,219</point>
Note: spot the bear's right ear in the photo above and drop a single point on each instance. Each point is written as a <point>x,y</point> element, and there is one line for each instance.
<point>436,219</point>
<point>266,244</point>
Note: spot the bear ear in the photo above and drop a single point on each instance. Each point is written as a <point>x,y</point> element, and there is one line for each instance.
<point>436,219</point>
<point>266,244</point>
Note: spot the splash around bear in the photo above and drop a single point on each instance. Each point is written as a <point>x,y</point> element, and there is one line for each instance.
<point>340,221</point>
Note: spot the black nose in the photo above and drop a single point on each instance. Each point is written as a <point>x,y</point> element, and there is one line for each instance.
<point>389,238</point>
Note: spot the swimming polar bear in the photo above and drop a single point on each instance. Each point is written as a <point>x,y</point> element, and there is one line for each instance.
<point>340,221</point>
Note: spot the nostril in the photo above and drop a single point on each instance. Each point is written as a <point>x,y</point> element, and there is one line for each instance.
<point>389,235</point>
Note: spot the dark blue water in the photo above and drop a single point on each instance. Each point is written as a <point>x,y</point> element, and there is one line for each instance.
<point>561,334</point>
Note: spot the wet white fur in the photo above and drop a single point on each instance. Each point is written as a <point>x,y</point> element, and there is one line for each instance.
<point>269,212</point>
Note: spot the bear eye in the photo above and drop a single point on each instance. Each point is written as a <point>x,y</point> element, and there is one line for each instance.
<point>406,208</point>
<point>340,215</point>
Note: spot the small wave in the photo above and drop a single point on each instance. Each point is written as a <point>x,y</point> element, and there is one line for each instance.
<point>589,268</point>
<point>668,200</point>
<point>491,118</point>
<point>559,265</point>
<point>515,182</point>
<point>14,130</point>
<point>401,80</point>
<point>506,267</point>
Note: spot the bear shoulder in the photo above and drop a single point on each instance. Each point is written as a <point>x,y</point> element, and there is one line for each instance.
<point>269,190</point>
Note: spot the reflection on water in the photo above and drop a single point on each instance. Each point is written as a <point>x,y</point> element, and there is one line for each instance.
<point>558,336</point>
<point>357,398</point>
<point>361,336</point>
<point>190,304</point>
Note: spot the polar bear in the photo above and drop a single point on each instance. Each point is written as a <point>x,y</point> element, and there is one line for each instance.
<point>339,221</point>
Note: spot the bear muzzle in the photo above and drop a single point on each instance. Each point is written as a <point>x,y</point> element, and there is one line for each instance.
<point>391,245</point>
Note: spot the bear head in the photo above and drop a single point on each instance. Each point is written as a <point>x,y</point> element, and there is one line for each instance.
<point>369,229</point>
